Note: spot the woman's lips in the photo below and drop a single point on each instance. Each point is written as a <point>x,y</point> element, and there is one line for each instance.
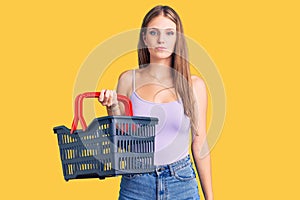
<point>161,48</point>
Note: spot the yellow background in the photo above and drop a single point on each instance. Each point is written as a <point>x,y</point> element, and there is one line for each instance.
<point>255,45</point>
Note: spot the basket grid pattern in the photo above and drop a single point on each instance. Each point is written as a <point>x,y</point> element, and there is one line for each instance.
<point>112,145</point>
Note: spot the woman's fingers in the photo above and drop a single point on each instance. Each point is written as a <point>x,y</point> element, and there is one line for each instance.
<point>109,103</point>
<point>101,96</point>
<point>108,97</point>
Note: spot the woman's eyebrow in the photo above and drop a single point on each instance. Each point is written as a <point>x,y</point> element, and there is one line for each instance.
<point>155,28</point>
<point>170,29</point>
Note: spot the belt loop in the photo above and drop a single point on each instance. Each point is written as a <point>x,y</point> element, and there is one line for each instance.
<point>157,170</point>
<point>171,170</point>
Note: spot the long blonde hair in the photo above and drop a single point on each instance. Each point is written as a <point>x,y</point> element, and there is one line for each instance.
<point>182,76</point>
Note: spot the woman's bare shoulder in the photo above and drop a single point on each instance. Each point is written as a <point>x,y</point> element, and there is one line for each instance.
<point>200,93</point>
<point>199,87</point>
<point>198,82</point>
<point>125,76</point>
<point>125,83</point>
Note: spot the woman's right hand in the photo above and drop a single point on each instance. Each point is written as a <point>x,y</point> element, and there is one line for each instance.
<point>108,98</point>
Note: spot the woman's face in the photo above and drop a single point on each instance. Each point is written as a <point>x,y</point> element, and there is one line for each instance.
<point>160,37</point>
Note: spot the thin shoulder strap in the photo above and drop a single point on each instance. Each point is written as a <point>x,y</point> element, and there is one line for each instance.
<point>133,80</point>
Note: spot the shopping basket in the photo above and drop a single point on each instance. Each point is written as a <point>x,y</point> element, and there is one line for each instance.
<point>109,146</point>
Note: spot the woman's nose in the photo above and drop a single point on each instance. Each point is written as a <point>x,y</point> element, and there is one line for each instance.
<point>161,39</point>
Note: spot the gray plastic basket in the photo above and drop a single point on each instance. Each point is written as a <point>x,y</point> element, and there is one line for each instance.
<point>109,146</point>
<point>105,150</point>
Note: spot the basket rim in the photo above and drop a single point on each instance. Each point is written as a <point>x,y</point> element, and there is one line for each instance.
<point>98,119</point>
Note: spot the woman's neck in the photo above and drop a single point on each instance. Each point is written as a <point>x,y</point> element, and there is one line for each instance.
<point>159,61</point>
<point>159,70</point>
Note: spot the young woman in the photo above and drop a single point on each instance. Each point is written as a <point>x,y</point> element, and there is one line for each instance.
<point>163,87</point>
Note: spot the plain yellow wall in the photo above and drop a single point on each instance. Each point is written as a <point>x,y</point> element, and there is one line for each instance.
<point>255,45</point>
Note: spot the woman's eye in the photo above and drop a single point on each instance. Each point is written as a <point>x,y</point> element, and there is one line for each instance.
<point>152,32</point>
<point>170,33</point>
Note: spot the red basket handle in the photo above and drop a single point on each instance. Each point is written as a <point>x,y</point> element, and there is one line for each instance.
<point>78,114</point>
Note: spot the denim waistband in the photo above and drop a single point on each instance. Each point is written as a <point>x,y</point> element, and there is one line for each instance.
<point>170,168</point>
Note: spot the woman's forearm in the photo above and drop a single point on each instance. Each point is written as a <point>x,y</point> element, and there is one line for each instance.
<point>203,166</point>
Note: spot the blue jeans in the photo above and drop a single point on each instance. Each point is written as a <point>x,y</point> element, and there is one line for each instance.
<point>174,181</point>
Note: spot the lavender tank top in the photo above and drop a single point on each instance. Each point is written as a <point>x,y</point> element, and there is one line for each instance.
<point>172,140</point>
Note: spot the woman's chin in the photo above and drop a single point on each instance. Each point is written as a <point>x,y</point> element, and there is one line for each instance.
<point>162,54</point>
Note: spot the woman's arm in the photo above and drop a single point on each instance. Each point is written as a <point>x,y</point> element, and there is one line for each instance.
<point>200,147</point>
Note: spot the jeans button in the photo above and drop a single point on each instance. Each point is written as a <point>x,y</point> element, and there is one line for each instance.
<point>160,169</point>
